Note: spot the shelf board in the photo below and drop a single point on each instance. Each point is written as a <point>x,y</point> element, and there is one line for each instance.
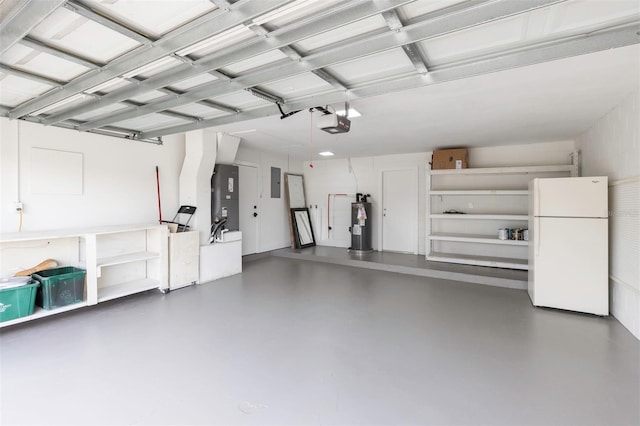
<point>126,288</point>
<point>480,192</point>
<point>74,232</point>
<point>505,170</point>
<point>41,313</point>
<point>480,216</point>
<point>496,262</point>
<point>473,238</point>
<point>127,258</point>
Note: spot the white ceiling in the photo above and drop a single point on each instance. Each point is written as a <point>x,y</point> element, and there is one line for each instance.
<point>424,73</point>
<point>552,101</point>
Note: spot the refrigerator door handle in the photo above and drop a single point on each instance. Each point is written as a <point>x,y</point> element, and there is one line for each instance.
<point>536,204</point>
<point>536,238</point>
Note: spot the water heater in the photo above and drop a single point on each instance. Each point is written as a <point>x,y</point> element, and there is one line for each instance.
<point>361,225</point>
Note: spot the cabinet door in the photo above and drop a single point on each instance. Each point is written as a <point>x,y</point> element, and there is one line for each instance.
<point>184,256</point>
<point>184,244</point>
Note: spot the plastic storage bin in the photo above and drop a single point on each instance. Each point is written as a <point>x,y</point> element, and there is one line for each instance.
<point>60,287</point>
<point>16,302</point>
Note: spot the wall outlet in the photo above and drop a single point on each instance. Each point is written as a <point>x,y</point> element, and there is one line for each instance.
<point>19,207</point>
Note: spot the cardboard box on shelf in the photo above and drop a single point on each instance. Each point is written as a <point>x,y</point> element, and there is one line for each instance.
<point>450,159</point>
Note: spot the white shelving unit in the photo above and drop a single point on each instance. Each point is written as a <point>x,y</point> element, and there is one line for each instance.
<point>466,259</point>
<point>516,170</point>
<point>125,261</point>
<point>487,199</point>
<point>119,260</point>
<point>480,216</point>
<point>482,192</point>
<point>473,238</point>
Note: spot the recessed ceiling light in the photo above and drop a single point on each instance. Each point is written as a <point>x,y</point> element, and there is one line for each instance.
<point>352,113</point>
<point>326,153</point>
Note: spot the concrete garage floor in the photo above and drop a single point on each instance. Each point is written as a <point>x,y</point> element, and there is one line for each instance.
<point>299,342</point>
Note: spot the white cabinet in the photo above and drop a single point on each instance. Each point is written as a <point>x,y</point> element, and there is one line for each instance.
<point>122,261</point>
<point>184,259</point>
<point>469,206</point>
<point>119,260</point>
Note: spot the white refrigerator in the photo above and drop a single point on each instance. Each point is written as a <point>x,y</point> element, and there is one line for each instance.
<point>569,244</point>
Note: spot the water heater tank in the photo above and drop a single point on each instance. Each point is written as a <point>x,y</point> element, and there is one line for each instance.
<point>361,227</point>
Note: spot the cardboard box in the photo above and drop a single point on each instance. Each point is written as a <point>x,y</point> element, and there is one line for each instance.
<point>450,159</point>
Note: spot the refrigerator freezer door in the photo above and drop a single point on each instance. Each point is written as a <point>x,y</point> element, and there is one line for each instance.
<point>571,264</point>
<point>570,197</point>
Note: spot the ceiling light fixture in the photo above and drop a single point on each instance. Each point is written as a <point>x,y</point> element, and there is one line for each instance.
<point>76,97</point>
<point>106,84</point>
<point>232,32</point>
<point>149,67</point>
<point>283,11</point>
<point>265,95</point>
<point>326,153</point>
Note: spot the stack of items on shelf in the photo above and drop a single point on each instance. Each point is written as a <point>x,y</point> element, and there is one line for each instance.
<point>44,285</point>
<point>515,234</point>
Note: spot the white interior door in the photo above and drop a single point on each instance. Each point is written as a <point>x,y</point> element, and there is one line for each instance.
<point>400,211</point>
<point>248,205</point>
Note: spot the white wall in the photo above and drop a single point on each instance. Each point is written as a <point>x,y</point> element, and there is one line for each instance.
<point>118,178</point>
<point>350,176</point>
<point>612,148</point>
<point>544,153</point>
<point>364,175</point>
<point>273,220</point>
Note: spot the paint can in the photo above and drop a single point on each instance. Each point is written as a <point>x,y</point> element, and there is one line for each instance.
<point>525,234</point>
<point>503,234</point>
<point>517,234</point>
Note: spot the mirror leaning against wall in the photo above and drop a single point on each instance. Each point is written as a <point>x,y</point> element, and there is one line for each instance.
<point>303,233</point>
<point>299,218</point>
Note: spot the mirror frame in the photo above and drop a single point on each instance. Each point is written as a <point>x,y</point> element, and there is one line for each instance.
<point>296,227</point>
<point>294,185</point>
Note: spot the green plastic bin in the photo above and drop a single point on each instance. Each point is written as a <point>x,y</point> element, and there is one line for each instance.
<point>60,287</point>
<point>16,302</point>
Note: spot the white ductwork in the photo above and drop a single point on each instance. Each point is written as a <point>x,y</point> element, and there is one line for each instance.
<point>227,146</point>
<point>195,178</point>
<point>203,150</point>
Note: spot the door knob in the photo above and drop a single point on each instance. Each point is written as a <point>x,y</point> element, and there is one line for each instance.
<point>255,214</point>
